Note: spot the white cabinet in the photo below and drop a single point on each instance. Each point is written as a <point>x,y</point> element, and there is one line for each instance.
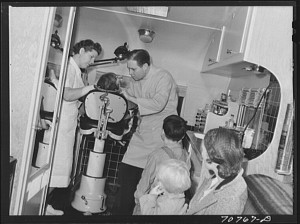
<point>236,33</point>
<point>213,53</point>
<point>229,48</point>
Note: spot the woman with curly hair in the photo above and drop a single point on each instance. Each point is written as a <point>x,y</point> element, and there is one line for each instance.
<point>224,191</point>
<point>84,54</point>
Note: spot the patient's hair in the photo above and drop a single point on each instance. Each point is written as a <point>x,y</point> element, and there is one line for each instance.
<point>174,127</point>
<point>174,176</point>
<point>108,81</point>
<point>224,148</point>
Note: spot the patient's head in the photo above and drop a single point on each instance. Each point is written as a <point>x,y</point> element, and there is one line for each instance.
<point>108,81</point>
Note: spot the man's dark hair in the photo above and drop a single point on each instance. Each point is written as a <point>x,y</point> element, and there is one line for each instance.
<point>141,56</point>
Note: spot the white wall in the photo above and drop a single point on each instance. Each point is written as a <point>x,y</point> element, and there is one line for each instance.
<point>180,52</point>
<point>25,42</point>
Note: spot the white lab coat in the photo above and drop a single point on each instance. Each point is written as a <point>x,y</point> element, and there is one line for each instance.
<point>63,155</point>
<point>156,99</point>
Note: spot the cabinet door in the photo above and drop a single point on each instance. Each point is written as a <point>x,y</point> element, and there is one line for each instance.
<point>236,32</point>
<point>214,49</point>
<point>34,179</point>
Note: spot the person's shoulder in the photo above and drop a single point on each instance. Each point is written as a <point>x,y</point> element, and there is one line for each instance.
<point>160,71</point>
<point>158,154</point>
<point>71,67</point>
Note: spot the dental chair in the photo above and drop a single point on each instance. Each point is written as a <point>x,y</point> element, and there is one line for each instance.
<point>106,114</point>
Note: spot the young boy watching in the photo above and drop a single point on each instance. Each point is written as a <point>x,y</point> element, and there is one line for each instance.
<point>174,130</point>
<point>167,197</point>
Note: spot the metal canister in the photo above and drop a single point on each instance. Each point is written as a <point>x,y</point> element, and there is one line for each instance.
<point>248,138</point>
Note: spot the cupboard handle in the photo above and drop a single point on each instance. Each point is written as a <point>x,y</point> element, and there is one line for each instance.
<point>231,51</point>
<point>211,60</point>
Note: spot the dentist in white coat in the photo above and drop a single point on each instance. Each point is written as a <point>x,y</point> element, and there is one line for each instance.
<point>154,90</point>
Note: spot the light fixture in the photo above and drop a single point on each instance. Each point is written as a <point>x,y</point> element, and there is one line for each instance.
<point>256,69</point>
<point>55,41</point>
<point>121,53</point>
<point>146,35</point>
<point>58,20</point>
<point>155,10</point>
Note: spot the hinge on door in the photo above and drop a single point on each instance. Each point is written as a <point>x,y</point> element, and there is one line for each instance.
<point>233,15</point>
<point>56,119</point>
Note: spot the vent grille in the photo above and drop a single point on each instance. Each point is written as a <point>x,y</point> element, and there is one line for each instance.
<point>156,11</point>
<point>251,96</point>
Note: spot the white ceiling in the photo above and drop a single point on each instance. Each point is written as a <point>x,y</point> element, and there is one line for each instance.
<point>206,17</point>
<point>185,33</point>
<point>184,28</point>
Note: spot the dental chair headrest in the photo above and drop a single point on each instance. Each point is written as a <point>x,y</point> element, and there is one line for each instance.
<point>117,102</point>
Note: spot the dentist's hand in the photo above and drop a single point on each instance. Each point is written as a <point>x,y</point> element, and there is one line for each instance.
<point>124,92</point>
<point>128,97</point>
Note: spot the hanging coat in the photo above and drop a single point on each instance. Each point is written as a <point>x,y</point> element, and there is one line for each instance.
<point>63,154</point>
<point>156,99</point>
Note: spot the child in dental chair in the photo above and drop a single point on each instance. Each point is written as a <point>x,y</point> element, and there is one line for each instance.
<point>167,197</point>
<point>108,81</point>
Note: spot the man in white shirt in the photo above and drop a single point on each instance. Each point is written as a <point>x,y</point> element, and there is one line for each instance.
<point>155,92</point>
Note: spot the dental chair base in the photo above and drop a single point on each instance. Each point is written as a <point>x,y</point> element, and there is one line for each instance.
<point>100,107</point>
<point>90,197</point>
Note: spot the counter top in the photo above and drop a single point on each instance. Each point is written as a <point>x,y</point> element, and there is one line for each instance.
<point>195,142</point>
<point>194,148</point>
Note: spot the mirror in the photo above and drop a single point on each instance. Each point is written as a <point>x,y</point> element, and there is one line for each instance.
<point>41,152</point>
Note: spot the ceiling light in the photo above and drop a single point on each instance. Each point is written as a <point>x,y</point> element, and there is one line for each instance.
<point>156,11</point>
<point>146,35</point>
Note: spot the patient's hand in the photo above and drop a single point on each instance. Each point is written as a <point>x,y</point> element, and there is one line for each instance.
<point>52,75</point>
<point>157,190</point>
<point>124,92</point>
<point>183,210</point>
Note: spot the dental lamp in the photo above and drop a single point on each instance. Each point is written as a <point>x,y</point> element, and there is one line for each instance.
<point>121,53</point>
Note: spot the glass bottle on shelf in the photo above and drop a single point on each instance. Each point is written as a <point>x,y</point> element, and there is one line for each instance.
<point>230,123</point>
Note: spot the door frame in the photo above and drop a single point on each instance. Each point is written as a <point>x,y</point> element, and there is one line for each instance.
<point>31,185</point>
